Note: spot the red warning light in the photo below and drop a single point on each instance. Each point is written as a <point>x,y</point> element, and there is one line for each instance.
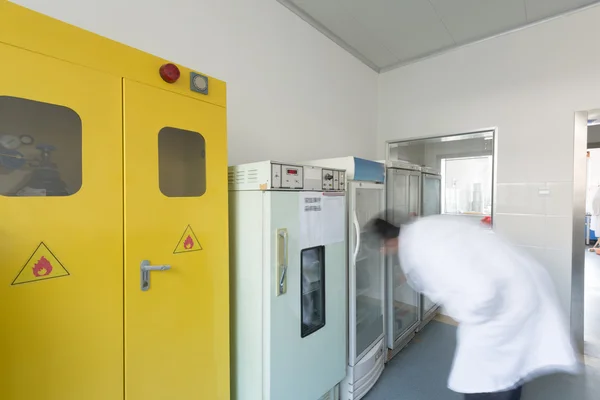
<point>169,73</point>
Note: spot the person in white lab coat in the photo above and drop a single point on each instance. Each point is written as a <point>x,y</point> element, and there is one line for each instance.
<point>511,328</point>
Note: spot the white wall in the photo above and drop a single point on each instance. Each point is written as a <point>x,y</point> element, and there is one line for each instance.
<point>528,84</point>
<point>292,93</point>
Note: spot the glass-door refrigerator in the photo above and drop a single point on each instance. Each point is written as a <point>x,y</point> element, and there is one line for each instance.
<point>431,204</point>
<point>366,275</point>
<point>403,313</point>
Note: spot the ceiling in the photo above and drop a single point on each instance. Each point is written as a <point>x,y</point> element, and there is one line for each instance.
<point>385,34</point>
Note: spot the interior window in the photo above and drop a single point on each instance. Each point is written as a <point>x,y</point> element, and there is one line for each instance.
<point>467,185</point>
<point>181,163</point>
<point>40,149</point>
<point>312,290</point>
<point>465,163</point>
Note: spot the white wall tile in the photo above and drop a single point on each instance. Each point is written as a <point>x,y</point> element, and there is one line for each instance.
<point>560,200</point>
<point>558,233</point>
<point>520,198</point>
<point>522,230</point>
<point>537,253</point>
<point>558,264</point>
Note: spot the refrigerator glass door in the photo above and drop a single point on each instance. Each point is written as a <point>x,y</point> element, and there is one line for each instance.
<point>402,300</point>
<point>367,275</point>
<point>432,189</point>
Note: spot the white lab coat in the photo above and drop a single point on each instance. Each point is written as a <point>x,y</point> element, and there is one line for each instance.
<point>595,220</point>
<point>511,327</point>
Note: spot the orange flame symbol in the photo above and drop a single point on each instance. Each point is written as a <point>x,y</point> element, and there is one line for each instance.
<point>189,243</point>
<point>42,267</point>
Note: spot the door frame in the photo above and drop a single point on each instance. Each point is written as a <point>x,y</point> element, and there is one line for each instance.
<point>577,310</point>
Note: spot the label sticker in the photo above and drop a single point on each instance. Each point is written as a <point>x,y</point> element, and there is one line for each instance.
<point>188,242</point>
<point>42,265</point>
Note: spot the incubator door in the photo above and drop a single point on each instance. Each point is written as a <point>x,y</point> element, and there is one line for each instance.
<point>61,242</point>
<point>402,300</point>
<point>177,322</point>
<point>307,303</point>
<point>366,270</point>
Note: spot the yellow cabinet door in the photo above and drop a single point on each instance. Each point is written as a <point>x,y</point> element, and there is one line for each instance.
<point>61,232</point>
<point>176,322</point>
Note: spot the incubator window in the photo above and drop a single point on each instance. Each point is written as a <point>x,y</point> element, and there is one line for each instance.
<point>40,149</point>
<point>312,290</point>
<point>181,163</point>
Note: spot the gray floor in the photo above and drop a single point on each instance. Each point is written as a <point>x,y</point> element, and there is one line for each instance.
<point>420,371</point>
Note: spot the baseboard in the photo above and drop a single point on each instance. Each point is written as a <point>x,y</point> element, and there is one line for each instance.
<point>444,319</point>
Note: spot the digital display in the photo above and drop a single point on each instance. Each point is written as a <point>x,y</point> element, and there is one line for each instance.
<point>292,171</point>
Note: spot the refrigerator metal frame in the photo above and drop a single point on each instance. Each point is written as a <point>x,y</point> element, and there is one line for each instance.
<point>353,248</point>
<point>428,315</point>
<point>396,343</point>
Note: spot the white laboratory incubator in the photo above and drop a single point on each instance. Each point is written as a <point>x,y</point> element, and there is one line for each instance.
<point>366,200</point>
<point>288,281</point>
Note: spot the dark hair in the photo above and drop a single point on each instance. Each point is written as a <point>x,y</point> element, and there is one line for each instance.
<point>383,229</point>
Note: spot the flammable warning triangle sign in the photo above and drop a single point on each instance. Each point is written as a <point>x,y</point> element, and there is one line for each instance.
<point>42,265</point>
<point>188,242</point>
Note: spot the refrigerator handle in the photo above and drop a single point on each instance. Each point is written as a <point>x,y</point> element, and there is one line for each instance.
<point>357,229</point>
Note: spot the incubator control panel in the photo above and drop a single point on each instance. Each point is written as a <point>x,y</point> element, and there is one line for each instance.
<point>287,176</point>
<point>334,179</point>
<point>306,177</point>
<point>271,175</point>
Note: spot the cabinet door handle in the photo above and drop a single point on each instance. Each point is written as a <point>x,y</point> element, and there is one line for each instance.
<point>145,269</point>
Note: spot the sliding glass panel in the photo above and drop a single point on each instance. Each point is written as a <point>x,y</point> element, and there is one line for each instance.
<point>431,195</point>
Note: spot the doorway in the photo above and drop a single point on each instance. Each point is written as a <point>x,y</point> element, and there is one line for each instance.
<point>591,332</point>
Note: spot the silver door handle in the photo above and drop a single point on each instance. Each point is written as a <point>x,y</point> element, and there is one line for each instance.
<point>156,267</point>
<point>145,269</point>
<point>282,261</point>
<point>357,228</point>
<point>282,281</point>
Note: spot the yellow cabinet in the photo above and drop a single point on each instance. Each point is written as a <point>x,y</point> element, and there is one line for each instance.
<point>174,216</point>
<point>62,335</point>
<point>113,235</point>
